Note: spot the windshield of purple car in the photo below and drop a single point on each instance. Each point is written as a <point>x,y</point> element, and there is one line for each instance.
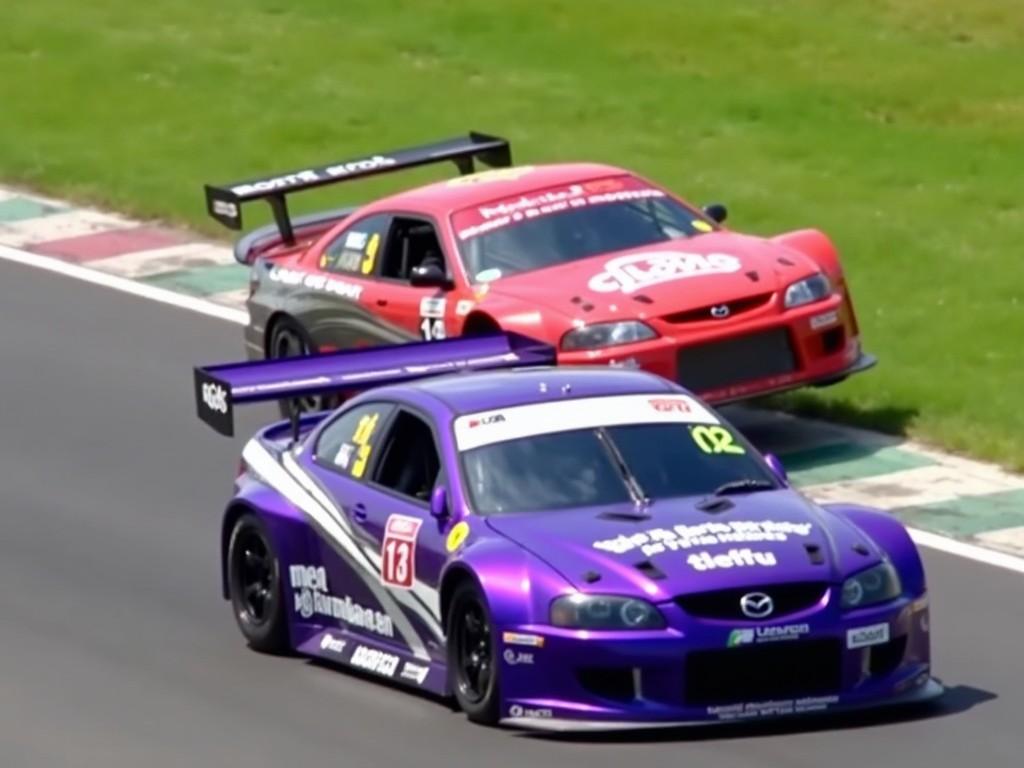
<point>597,467</point>
<point>568,223</point>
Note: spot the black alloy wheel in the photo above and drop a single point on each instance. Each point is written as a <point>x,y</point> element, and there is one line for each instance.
<point>288,340</point>
<point>472,661</point>
<point>254,584</point>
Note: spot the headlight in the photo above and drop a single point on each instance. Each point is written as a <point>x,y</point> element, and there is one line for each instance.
<point>813,288</point>
<point>607,335</point>
<point>875,585</point>
<point>604,612</point>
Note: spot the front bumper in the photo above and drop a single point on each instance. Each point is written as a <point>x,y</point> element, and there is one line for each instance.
<point>748,356</point>
<point>701,671</point>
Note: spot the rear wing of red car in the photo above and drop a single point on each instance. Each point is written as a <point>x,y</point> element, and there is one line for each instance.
<point>218,388</point>
<point>224,201</point>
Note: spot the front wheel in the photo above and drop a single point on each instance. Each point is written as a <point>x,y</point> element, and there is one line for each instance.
<point>472,659</point>
<point>254,586</point>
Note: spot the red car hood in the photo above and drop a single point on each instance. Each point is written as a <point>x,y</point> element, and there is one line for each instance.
<point>673,276</point>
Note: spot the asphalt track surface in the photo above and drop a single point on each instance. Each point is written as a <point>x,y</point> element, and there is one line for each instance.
<point>116,649</point>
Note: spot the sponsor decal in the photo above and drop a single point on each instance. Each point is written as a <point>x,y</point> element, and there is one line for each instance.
<point>514,658</point>
<point>278,182</point>
<point>398,551</point>
<point>824,320</point>
<point>215,397</point>
<point>316,282</point>
<point>517,710</point>
<point>464,307</point>
<point>641,270</point>
<point>457,536</point>
<point>417,672</point>
<point>749,635</point>
<point>681,537</point>
<point>701,226</point>
<point>359,166</point>
<point>356,240</point>
<point>344,455</point>
<point>670,404</point>
<point>772,708</point>
<point>488,218</point>
<point>371,254</point>
<point>331,643</point>
<point>483,421</point>
<point>522,638</point>
<point>734,558</point>
<point>863,637</point>
<point>224,208</point>
<point>312,597</point>
<point>430,307</point>
<point>373,660</point>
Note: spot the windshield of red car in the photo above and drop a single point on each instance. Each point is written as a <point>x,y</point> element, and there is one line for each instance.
<point>562,224</point>
<point>580,468</point>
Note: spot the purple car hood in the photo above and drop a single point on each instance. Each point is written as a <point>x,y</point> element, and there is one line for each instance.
<point>774,536</point>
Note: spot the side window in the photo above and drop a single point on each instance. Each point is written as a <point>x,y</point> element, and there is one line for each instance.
<point>348,444</point>
<point>409,463</point>
<point>411,243</point>
<point>355,251</point>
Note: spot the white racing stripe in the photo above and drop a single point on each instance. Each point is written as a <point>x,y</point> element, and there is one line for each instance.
<point>427,601</point>
<point>267,467</point>
<point>192,304</point>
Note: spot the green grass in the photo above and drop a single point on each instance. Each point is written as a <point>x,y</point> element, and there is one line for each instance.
<point>895,125</point>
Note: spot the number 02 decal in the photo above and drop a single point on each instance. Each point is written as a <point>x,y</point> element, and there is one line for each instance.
<point>398,552</point>
<point>715,440</point>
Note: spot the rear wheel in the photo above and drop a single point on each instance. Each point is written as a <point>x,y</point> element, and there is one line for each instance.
<point>472,658</point>
<point>254,585</point>
<point>288,340</point>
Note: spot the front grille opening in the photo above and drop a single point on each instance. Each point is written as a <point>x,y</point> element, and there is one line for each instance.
<point>718,364</point>
<point>758,673</point>
<point>885,658</point>
<point>612,683</point>
<point>724,604</point>
<point>732,308</point>
<point>832,341</point>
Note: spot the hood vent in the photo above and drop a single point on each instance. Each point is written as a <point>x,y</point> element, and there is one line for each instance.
<point>752,276</point>
<point>650,570</point>
<point>643,299</point>
<point>714,504</point>
<point>631,516</point>
<point>591,576</point>
<point>814,554</point>
<point>860,549</point>
<point>784,260</point>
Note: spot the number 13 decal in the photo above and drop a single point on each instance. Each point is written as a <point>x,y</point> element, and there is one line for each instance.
<point>398,552</point>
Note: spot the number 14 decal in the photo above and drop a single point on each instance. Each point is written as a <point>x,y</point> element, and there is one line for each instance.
<point>398,551</point>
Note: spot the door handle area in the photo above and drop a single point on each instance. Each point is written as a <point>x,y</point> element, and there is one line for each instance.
<point>359,513</point>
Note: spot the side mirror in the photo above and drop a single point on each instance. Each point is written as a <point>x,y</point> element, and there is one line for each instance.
<point>439,503</point>
<point>716,212</point>
<point>429,276</point>
<point>775,463</point>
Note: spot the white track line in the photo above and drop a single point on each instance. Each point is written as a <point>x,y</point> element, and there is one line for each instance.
<point>203,307</point>
<point>151,292</point>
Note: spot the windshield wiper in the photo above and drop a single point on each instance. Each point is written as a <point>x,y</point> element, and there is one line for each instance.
<point>640,498</point>
<point>746,485</point>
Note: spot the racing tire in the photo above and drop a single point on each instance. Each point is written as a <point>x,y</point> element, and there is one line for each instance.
<point>289,340</point>
<point>473,668</point>
<point>254,586</point>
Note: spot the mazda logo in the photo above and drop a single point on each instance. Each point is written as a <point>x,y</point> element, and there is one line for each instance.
<point>720,310</point>
<point>756,605</point>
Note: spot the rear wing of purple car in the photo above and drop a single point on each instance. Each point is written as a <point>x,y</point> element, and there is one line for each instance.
<point>218,388</point>
<point>224,201</point>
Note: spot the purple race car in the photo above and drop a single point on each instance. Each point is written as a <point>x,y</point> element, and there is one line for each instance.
<point>557,548</point>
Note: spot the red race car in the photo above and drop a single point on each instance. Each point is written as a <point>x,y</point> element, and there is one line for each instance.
<point>605,265</point>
